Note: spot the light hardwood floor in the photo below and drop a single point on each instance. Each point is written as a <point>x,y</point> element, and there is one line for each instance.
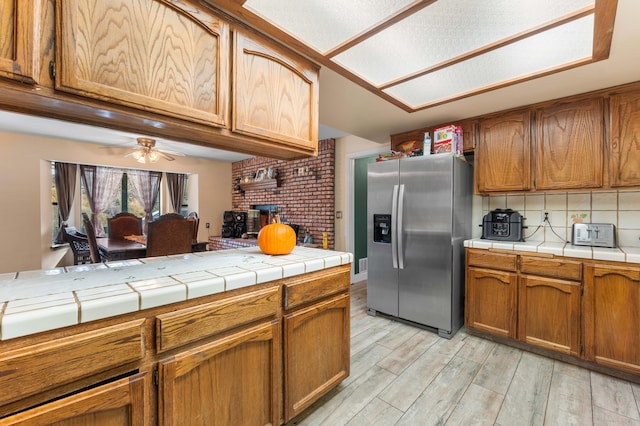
<point>403,375</point>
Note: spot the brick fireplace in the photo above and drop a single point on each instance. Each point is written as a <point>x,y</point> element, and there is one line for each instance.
<point>305,195</point>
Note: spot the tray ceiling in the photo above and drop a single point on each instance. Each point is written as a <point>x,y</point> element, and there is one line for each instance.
<point>421,53</point>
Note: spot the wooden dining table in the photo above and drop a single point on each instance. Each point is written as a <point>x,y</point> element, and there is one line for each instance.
<point>133,247</point>
<point>121,248</point>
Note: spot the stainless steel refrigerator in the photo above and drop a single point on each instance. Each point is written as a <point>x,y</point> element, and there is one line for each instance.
<point>418,215</point>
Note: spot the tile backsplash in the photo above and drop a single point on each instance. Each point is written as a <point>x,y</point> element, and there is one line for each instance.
<point>622,208</point>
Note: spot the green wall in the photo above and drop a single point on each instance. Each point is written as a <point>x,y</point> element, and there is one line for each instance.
<point>360,209</point>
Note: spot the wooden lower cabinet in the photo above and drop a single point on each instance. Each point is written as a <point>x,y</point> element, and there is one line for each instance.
<point>119,403</point>
<point>491,301</point>
<point>612,316</point>
<point>310,372</point>
<point>549,313</point>
<point>234,380</point>
<point>221,359</point>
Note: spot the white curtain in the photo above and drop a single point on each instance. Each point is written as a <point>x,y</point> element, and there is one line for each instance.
<point>102,185</point>
<point>145,186</point>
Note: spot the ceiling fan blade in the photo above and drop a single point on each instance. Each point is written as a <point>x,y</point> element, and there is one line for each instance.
<point>166,151</point>
<point>165,156</point>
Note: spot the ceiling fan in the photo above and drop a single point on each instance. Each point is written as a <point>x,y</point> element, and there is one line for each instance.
<point>146,152</point>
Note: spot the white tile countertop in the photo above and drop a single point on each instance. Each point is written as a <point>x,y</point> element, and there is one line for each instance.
<point>42,300</point>
<point>619,254</point>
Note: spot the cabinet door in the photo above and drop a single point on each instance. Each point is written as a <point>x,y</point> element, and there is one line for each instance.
<point>316,352</point>
<point>468,135</point>
<point>611,313</point>
<point>624,143</point>
<point>19,26</point>
<point>275,94</point>
<point>569,145</point>
<point>549,313</point>
<point>114,404</point>
<point>144,54</point>
<point>503,153</point>
<point>491,301</point>
<point>234,380</point>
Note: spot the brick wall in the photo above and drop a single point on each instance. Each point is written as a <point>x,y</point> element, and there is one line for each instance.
<point>303,198</point>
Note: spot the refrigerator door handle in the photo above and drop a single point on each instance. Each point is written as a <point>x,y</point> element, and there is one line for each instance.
<point>399,228</point>
<point>394,215</point>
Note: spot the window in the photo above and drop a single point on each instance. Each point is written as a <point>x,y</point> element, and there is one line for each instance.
<point>125,201</point>
<point>55,211</point>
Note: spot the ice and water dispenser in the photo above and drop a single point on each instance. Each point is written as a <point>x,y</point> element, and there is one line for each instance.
<point>382,228</point>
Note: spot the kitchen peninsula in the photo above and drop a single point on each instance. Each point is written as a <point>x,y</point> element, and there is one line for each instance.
<point>227,335</point>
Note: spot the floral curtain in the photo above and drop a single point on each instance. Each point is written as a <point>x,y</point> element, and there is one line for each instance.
<point>175,182</point>
<point>102,185</point>
<point>65,182</point>
<point>146,188</point>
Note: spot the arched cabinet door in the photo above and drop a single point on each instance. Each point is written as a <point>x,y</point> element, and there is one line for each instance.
<point>19,45</point>
<point>145,54</point>
<point>121,402</point>
<point>611,316</point>
<point>275,93</point>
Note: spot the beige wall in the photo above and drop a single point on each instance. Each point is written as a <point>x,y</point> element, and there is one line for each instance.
<point>25,182</point>
<point>347,148</point>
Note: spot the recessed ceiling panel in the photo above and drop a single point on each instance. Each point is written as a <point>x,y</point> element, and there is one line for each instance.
<point>323,24</point>
<point>447,29</point>
<point>534,55</point>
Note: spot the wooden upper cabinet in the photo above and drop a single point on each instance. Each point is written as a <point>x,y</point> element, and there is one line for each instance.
<point>503,153</point>
<point>145,54</point>
<point>275,93</point>
<point>19,27</point>
<point>569,145</point>
<point>624,143</point>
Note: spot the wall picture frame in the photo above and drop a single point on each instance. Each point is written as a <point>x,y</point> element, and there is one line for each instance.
<point>261,174</point>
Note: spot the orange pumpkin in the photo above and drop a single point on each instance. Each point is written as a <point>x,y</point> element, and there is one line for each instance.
<point>276,238</point>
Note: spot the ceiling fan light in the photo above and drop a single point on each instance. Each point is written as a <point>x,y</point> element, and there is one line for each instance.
<point>153,155</point>
<point>138,155</point>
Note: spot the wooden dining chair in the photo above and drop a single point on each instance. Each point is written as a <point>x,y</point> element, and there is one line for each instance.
<point>193,217</point>
<point>94,250</point>
<point>78,243</point>
<point>169,234</point>
<point>124,224</point>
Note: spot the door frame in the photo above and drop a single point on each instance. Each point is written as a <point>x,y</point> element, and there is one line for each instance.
<point>361,276</point>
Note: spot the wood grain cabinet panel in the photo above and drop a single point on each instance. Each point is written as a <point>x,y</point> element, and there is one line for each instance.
<point>624,143</point>
<point>503,153</point>
<point>489,259</point>
<point>19,29</point>
<point>275,93</point>
<point>144,54</point>
<point>114,404</point>
<point>549,313</point>
<point>183,326</point>
<point>231,381</point>
<point>490,303</point>
<point>611,311</point>
<point>569,145</point>
<point>316,352</point>
<point>67,359</point>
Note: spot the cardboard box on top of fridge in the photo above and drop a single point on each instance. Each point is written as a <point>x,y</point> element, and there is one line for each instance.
<point>447,139</point>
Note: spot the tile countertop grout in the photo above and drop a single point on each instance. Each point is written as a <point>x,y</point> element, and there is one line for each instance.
<point>618,254</point>
<point>43,300</point>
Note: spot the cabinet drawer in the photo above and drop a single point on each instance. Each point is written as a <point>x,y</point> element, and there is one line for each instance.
<point>30,370</point>
<point>188,325</point>
<point>556,268</point>
<point>488,259</point>
<point>309,287</point>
